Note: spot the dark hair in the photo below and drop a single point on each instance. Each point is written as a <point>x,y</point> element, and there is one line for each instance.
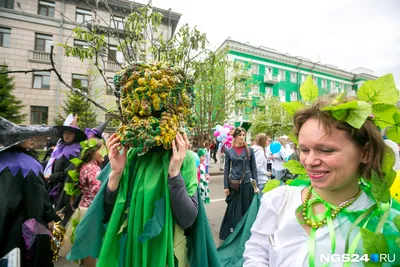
<point>367,137</point>
<point>238,131</point>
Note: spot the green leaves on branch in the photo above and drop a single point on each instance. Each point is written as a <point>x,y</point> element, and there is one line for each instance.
<point>373,244</point>
<point>71,189</point>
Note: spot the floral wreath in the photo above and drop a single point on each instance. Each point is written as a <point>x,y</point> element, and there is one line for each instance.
<point>156,103</point>
<point>376,100</point>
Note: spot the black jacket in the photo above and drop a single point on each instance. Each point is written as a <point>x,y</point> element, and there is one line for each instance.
<point>22,199</point>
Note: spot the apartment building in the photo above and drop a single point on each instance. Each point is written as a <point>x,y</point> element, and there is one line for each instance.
<point>280,74</point>
<point>28,28</point>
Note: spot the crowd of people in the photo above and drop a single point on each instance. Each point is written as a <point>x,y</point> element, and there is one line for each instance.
<point>102,202</point>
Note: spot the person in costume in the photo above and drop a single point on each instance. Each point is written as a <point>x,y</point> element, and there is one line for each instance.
<point>240,168</point>
<point>98,132</point>
<point>87,171</point>
<point>68,147</point>
<point>343,204</point>
<point>261,160</point>
<point>203,177</point>
<point>26,212</point>
<point>149,196</point>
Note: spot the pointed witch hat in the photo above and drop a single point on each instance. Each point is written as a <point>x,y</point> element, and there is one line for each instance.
<point>98,131</point>
<point>12,134</point>
<point>71,124</point>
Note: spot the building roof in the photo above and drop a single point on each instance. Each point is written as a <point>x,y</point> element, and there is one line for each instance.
<point>273,54</point>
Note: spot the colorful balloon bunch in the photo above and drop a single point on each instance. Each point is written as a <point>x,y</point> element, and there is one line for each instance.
<point>223,134</point>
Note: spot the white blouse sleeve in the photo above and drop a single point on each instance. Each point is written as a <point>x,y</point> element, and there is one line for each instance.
<point>256,252</point>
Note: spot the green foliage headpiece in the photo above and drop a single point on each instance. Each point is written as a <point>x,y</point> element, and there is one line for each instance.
<point>156,102</point>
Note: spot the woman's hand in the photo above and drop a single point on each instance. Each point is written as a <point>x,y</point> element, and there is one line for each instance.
<point>226,191</point>
<point>179,147</point>
<point>256,190</point>
<point>117,161</point>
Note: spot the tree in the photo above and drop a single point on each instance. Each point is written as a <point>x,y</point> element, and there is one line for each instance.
<point>274,121</point>
<point>10,107</point>
<point>217,88</point>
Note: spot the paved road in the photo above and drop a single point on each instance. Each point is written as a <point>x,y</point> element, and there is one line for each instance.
<point>215,212</point>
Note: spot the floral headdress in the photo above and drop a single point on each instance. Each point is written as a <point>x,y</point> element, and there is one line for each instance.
<point>156,102</point>
<point>375,100</point>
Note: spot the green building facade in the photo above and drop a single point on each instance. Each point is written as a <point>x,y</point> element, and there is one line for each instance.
<point>279,74</point>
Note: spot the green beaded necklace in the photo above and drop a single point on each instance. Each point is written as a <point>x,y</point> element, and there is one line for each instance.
<point>322,222</point>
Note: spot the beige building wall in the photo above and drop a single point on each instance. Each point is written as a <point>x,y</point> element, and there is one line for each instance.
<point>25,23</point>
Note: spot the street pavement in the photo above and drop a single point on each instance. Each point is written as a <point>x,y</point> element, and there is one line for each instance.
<point>215,210</point>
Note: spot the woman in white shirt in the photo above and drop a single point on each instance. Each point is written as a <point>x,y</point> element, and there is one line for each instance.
<point>303,226</point>
<point>261,160</point>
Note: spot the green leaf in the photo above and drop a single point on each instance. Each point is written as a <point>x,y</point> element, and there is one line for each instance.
<point>292,107</point>
<point>383,114</point>
<point>354,112</point>
<point>389,160</point>
<point>380,187</point>
<point>293,138</point>
<point>295,167</point>
<point>74,175</point>
<point>381,90</point>
<point>76,161</point>
<point>393,133</point>
<point>373,244</point>
<point>396,222</point>
<point>271,184</point>
<point>69,188</point>
<point>308,90</point>
<point>92,143</point>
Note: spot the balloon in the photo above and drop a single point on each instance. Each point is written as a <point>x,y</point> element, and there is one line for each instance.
<point>217,128</point>
<point>395,188</point>
<point>225,130</point>
<point>223,136</point>
<point>196,158</point>
<point>231,127</point>
<point>275,147</point>
<point>229,138</point>
<point>226,125</point>
<point>219,138</point>
<point>216,133</point>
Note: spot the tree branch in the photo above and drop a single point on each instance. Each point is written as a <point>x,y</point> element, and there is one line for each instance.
<point>26,71</point>
<point>76,90</point>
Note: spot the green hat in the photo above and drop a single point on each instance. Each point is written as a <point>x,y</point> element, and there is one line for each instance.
<point>201,152</point>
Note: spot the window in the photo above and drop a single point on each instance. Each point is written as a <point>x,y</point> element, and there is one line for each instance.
<point>303,78</point>
<point>46,8</point>
<point>83,15</point>
<point>7,4</point>
<point>341,87</point>
<point>80,44</point>
<point>282,95</point>
<point>5,35</point>
<point>268,70</point>
<point>110,90</point>
<point>39,115</point>
<point>282,75</point>
<point>348,87</point>
<point>315,80</point>
<point>293,77</point>
<point>43,42</point>
<point>117,23</point>
<point>80,81</point>
<point>323,83</point>
<point>268,91</point>
<point>255,90</point>
<point>254,68</point>
<point>41,80</point>
<point>293,96</point>
<point>333,85</point>
<point>114,54</point>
